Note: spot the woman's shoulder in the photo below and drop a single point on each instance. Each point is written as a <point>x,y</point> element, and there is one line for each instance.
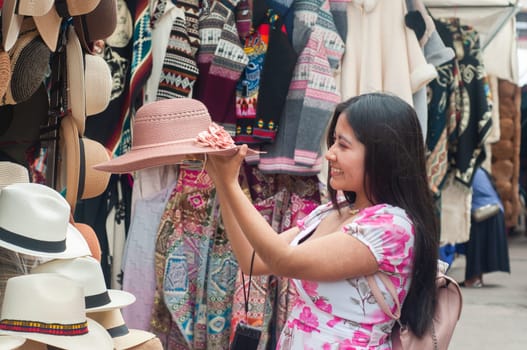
<point>381,213</point>
<point>381,217</point>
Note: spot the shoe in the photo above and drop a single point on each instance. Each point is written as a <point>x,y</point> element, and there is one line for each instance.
<point>476,284</point>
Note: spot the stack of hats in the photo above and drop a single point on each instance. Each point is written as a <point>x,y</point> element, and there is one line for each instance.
<point>53,303</point>
<point>89,89</point>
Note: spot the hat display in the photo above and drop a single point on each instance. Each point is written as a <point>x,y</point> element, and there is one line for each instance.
<point>11,173</point>
<point>48,24</point>
<point>123,338</point>
<point>75,168</point>
<point>5,72</point>
<point>49,309</point>
<point>29,62</point>
<point>165,131</point>
<point>8,342</point>
<point>89,82</point>
<point>13,13</point>
<point>87,271</point>
<point>34,220</point>
<point>96,25</point>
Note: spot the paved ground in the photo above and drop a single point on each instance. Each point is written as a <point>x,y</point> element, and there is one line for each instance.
<point>495,316</point>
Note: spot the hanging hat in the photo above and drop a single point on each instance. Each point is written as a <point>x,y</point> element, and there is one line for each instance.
<point>78,155</point>
<point>123,338</point>
<point>91,238</point>
<point>29,62</point>
<point>34,220</point>
<point>11,173</point>
<point>5,72</point>
<point>13,13</point>
<point>8,342</point>
<point>124,29</point>
<point>165,131</point>
<point>87,271</point>
<point>49,308</point>
<point>97,24</point>
<point>49,23</point>
<point>89,82</point>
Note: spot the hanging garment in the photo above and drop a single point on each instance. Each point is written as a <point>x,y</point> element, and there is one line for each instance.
<point>247,90</point>
<point>182,249</point>
<point>221,60</point>
<point>138,258</point>
<point>382,53</point>
<point>466,143</point>
<point>179,71</point>
<point>282,200</point>
<point>443,109</point>
<point>277,71</point>
<point>310,102</point>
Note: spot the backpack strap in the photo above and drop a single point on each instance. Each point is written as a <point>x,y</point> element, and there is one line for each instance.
<point>377,294</point>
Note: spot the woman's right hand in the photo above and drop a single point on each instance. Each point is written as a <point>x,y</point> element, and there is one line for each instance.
<point>224,170</point>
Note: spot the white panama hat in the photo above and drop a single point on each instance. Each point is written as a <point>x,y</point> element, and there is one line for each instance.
<point>49,308</point>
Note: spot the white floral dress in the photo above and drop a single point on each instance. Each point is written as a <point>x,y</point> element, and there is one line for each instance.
<point>344,315</point>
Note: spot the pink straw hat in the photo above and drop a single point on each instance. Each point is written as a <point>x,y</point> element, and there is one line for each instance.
<point>165,131</point>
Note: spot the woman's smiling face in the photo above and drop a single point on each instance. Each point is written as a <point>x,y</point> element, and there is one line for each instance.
<point>346,159</point>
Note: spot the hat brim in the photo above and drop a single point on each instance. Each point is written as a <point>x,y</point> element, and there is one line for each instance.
<point>75,77</point>
<point>96,338</point>
<point>48,27</point>
<point>9,342</point>
<point>11,24</point>
<point>158,156</point>
<point>70,166</point>
<point>119,299</point>
<point>76,246</point>
<point>133,338</point>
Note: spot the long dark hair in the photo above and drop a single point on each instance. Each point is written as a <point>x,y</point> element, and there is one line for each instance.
<point>395,174</point>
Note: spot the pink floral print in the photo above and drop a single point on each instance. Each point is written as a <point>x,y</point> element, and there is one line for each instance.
<point>343,315</point>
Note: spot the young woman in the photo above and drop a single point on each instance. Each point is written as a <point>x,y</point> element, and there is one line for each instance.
<point>381,217</point>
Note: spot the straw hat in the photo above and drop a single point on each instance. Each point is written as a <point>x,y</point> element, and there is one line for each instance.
<point>34,220</point>
<point>78,155</point>
<point>29,59</point>
<point>91,238</point>
<point>5,72</point>
<point>11,173</point>
<point>13,13</point>
<point>123,338</point>
<point>97,25</point>
<point>48,24</point>
<point>49,309</point>
<point>165,131</point>
<point>89,82</point>
<point>87,272</point>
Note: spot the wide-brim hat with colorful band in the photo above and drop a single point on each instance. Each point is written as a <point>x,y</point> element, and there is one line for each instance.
<point>49,308</point>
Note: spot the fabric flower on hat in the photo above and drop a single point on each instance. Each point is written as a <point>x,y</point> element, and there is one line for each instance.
<point>216,137</point>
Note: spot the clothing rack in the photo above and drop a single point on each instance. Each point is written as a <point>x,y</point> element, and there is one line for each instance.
<point>511,8</point>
